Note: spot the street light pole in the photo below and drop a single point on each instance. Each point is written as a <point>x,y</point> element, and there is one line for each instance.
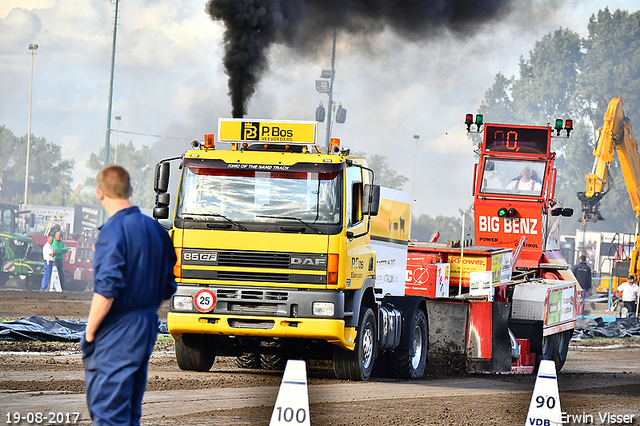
<point>330,108</point>
<point>108,134</point>
<point>118,118</point>
<point>413,182</point>
<point>32,48</point>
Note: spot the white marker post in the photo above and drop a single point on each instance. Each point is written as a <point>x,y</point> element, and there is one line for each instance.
<point>544,409</point>
<point>292,403</point>
<point>54,283</point>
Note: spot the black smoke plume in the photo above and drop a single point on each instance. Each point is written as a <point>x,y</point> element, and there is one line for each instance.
<point>252,26</point>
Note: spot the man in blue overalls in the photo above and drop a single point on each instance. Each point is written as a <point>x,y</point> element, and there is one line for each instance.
<point>133,273</point>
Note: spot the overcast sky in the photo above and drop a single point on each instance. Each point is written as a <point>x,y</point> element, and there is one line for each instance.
<point>170,81</point>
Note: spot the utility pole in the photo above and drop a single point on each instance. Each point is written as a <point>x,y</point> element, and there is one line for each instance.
<point>330,109</point>
<point>32,48</point>
<point>113,64</point>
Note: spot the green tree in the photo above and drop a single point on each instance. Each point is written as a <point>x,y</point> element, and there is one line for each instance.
<point>136,161</point>
<point>611,66</point>
<point>449,227</point>
<point>384,175</point>
<point>49,174</point>
<point>546,86</point>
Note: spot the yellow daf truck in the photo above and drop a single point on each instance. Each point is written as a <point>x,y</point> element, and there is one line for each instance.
<point>284,251</point>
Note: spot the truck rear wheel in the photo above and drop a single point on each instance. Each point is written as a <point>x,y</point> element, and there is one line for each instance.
<point>248,360</point>
<point>561,348</point>
<point>410,363</point>
<point>357,364</point>
<point>194,353</point>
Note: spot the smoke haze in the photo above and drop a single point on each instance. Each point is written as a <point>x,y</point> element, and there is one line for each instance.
<point>252,26</point>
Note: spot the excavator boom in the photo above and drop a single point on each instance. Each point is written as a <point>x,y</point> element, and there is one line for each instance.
<point>616,135</point>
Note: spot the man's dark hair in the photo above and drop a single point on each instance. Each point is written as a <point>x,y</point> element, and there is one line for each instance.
<point>583,258</point>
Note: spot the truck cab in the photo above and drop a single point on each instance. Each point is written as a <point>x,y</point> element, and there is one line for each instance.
<point>274,246</point>
<point>514,198</point>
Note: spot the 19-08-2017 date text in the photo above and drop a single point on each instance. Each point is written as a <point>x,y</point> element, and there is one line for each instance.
<point>42,418</point>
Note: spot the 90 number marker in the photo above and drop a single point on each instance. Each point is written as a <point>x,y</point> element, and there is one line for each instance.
<point>550,402</point>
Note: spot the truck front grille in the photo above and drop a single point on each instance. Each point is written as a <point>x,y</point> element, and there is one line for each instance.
<point>252,276</point>
<point>253,295</point>
<point>254,259</point>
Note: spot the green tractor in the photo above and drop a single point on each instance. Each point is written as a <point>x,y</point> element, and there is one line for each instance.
<point>20,257</point>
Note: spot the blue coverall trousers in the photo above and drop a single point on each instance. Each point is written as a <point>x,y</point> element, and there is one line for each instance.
<point>115,365</point>
<point>46,277</point>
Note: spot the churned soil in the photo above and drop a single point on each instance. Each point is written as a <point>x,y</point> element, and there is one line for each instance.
<point>601,378</point>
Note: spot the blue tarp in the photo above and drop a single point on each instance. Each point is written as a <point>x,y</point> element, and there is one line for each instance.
<point>38,328</point>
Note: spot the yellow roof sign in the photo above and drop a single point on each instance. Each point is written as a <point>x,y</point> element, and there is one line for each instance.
<point>249,130</point>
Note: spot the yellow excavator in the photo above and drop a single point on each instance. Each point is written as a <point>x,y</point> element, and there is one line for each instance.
<point>616,135</point>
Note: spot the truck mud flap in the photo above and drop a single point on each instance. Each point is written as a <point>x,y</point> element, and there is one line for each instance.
<point>447,322</point>
<point>489,346</point>
<point>464,339</point>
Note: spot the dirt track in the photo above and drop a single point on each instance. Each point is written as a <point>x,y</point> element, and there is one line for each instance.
<point>47,378</point>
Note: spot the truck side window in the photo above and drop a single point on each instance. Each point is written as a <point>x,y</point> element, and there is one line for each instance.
<point>354,195</point>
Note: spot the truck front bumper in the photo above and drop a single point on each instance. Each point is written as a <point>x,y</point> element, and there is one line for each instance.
<point>330,330</point>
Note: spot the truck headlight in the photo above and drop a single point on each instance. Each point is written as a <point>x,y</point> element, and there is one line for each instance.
<point>323,309</point>
<point>183,303</point>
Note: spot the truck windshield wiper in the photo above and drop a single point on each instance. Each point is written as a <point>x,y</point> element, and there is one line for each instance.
<point>184,215</point>
<point>292,218</point>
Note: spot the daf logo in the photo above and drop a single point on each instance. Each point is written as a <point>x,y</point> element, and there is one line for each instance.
<point>203,257</point>
<point>307,261</point>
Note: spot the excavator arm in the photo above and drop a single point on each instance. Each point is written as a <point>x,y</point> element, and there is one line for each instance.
<point>616,135</point>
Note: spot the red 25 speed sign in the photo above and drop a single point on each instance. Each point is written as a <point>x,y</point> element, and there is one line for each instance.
<point>204,300</point>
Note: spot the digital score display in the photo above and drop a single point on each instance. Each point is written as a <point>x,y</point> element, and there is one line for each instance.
<point>517,139</point>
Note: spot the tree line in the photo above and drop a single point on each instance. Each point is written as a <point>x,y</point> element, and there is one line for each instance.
<point>50,175</point>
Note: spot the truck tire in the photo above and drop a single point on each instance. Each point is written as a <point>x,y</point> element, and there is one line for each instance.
<point>410,363</point>
<point>357,364</point>
<point>561,348</point>
<point>272,362</point>
<point>248,360</point>
<point>548,347</point>
<point>193,353</point>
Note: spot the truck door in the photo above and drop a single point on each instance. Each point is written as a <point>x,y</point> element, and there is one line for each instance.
<point>360,258</point>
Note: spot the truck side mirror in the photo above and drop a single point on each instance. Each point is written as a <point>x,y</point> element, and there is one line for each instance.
<point>162,177</point>
<point>163,199</point>
<point>371,199</point>
<point>567,212</point>
<point>161,212</point>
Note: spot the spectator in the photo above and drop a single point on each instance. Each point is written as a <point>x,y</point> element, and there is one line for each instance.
<point>582,271</point>
<point>48,254</point>
<point>628,292</point>
<point>60,248</point>
<point>133,264</point>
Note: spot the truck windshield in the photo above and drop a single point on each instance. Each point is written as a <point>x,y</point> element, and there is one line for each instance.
<point>253,193</point>
<point>513,177</point>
